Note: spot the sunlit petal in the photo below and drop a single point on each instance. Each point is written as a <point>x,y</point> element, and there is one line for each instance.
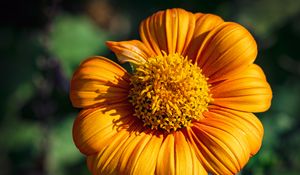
<point>226,50</point>
<point>204,24</point>
<point>169,31</point>
<point>94,127</point>
<point>166,157</point>
<point>247,91</point>
<point>141,154</point>
<point>185,161</point>
<point>222,148</point>
<point>248,124</point>
<point>98,81</point>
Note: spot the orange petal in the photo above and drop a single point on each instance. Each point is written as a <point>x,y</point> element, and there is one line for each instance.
<point>177,156</point>
<point>147,159</point>
<point>98,81</point>
<point>183,156</point>
<point>204,24</point>
<point>248,124</point>
<point>252,71</point>
<point>94,127</point>
<point>130,51</point>
<point>166,157</point>
<point>169,31</point>
<point>140,155</point>
<point>185,160</point>
<point>107,159</point>
<point>249,94</point>
<point>197,166</point>
<point>227,50</point>
<point>90,161</point>
<point>222,149</point>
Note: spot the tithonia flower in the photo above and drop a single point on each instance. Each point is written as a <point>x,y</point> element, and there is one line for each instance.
<point>188,106</point>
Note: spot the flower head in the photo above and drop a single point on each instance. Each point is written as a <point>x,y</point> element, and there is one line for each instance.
<point>186,109</point>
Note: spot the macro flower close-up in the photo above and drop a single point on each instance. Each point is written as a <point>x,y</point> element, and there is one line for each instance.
<point>187,107</point>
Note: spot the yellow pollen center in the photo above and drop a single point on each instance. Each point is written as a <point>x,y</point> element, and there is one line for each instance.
<point>168,92</point>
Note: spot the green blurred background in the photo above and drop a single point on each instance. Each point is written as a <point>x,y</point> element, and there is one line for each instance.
<point>42,42</point>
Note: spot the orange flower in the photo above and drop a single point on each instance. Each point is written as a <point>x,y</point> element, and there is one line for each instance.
<point>186,109</point>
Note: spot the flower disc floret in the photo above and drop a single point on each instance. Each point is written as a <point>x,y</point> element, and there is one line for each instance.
<point>168,92</point>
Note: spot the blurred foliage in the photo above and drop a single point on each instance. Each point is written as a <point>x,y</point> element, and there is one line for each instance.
<point>266,15</point>
<point>73,38</point>
<point>62,151</point>
<point>42,43</point>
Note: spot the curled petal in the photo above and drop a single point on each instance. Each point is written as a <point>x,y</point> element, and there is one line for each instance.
<point>99,81</point>
<point>226,50</point>
<point>169,31</point>
<point>130,51</point>
<point>249,94</point>
<point>94,127</point>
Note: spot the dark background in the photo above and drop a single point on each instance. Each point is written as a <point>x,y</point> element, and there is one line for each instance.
<point>42,42</point>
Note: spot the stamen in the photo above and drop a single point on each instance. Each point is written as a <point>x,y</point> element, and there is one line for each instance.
<point>168,92</point>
